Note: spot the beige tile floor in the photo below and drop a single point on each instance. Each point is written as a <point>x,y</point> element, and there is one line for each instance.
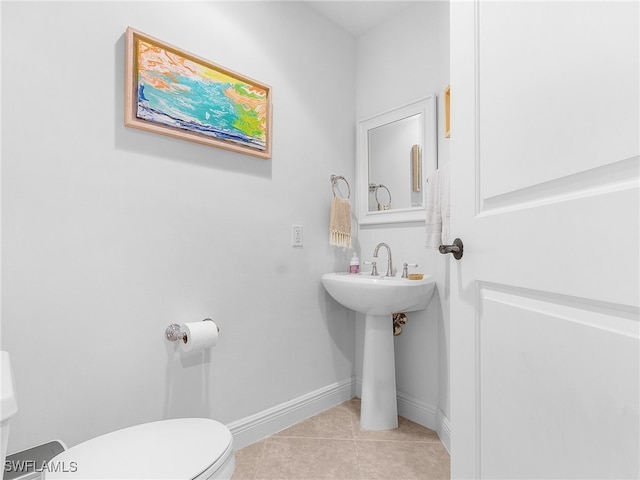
<point>331,445</point>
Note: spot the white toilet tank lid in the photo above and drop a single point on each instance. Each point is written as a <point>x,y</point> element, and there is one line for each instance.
<point>169,449</point>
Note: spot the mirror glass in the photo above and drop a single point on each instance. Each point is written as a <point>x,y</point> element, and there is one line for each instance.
<point>397,152</point>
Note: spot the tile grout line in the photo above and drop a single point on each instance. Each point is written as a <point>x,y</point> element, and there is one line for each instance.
<point>360,439</point>
<point>353,435</point>
<point>259,462</point>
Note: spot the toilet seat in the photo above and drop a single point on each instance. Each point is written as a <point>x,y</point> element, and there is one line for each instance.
<point>179,449</point>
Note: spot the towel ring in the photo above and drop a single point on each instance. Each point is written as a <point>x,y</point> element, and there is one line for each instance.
<point>383,206</point>
<point>334,180</point>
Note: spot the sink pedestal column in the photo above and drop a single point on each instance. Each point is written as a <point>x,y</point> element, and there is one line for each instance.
<point>379,410</point>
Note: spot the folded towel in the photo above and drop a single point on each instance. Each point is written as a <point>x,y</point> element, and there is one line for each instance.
<point>340,223</point>
<point>437,209</point>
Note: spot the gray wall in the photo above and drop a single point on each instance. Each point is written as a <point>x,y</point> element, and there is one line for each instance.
<point>405,59</point>
<point>110,234</point>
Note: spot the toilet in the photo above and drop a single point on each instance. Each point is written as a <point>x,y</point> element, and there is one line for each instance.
<point>177,449</point>
<point>8,405</point>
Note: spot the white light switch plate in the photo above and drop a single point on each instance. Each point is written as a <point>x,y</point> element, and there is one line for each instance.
<point>296,235</point>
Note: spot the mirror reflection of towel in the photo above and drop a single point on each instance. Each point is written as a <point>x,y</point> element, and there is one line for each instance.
<point>340,223</point>
<point>437,207</point>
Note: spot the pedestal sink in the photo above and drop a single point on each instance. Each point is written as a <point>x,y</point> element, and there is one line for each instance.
<point>378,297</point>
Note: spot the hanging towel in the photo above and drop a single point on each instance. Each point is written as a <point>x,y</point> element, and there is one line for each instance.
<point>437,209</point>
<point>340,223</point>
<point>445,204</point>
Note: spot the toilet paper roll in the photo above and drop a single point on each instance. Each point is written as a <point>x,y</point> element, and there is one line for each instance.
<point>199,335</point>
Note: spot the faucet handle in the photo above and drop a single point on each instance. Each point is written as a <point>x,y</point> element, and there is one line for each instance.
<point>374,268</point>
<point>405,269</point>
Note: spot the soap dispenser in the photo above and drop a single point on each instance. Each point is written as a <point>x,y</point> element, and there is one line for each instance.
<point>354,265</point>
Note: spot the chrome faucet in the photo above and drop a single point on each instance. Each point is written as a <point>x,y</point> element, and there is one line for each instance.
<point>389,261</point>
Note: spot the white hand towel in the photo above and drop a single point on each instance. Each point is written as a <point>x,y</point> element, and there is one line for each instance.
<point>437,209</point>
<point>445,203</point>
<point>340,223</point>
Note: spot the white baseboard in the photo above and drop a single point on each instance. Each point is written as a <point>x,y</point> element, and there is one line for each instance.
<point>255,427</point>
<point>417,411</point>
<point>426,415</point>
<point>444,430</point>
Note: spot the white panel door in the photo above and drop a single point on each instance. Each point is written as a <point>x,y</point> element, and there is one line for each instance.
<point>545,196</point>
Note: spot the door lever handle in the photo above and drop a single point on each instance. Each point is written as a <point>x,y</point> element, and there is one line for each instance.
<point>456,249</point>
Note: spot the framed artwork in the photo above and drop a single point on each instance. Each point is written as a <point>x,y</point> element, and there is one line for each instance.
<point>447,112</point>
<point>176,93</point>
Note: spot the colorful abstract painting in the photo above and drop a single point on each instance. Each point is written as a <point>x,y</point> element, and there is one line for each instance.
<point>176,93</point>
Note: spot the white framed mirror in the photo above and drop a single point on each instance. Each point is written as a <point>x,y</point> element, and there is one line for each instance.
<point>397,152</point>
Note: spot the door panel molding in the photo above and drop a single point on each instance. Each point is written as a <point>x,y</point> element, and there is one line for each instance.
<point>612,317</point>
<point>543,96</point>
<point>564,360</point>
<point>613,177</point>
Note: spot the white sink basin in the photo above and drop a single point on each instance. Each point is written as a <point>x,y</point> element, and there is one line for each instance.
<point>379,295</point>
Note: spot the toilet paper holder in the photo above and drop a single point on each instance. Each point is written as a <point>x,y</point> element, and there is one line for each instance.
<point>173,332</point>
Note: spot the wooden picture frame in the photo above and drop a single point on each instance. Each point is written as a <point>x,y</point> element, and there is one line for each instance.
<point>173,92</point>
<point>447,112</point>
